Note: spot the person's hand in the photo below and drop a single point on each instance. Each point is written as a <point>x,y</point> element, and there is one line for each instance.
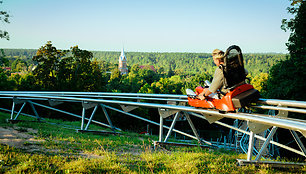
<point>201,96</point>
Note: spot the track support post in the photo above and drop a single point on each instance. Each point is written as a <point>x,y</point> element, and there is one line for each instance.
<point>92,114</point>
<point>13,108</point>
<point>161,124</point>
<point>83,118</point>
<point>108,118</point>
<point>192,127</point>
<point>172,126</point>
<point>298,141</point>
<point>251,146</point>
<point>34,110</point>
<point>266,143</point>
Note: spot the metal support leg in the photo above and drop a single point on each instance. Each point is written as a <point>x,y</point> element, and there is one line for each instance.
<point>266,143</point>
<point>93,113</point>
<point>251,145</point>
<point>155,123</point>
<point>34,110</point>
<point>172,126</point>
<point>20,110</point>
<point>108,118</point>
<point>12,113</point>
<point>192,127</point>
<point>83,119</point>
<point>68,113</point>
<point>298,141</point>
<point>161,124</point>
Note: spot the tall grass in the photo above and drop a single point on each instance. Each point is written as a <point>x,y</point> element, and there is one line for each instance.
<point>62,150</point>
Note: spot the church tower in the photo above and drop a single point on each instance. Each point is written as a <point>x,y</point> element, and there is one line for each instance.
<point>122,63</point>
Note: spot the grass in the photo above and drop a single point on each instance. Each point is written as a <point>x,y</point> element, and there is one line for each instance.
<point>62,150</point>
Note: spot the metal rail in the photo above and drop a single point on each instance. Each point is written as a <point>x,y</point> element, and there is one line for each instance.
<point>162,97</point>
<point>289,103</point>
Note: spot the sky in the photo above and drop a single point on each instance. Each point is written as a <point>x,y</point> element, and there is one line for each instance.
<point>147,25</point>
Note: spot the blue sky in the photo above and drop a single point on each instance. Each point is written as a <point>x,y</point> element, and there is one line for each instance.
<point>147,26</point>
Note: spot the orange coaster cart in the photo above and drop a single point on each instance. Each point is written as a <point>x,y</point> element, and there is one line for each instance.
<point>240,94</point>
<point>237,98</point>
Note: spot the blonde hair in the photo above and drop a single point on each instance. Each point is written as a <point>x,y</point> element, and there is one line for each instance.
<point>218,54</point>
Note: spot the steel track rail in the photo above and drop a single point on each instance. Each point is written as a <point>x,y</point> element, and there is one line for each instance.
<point>281,104</point>
<point>174,97</point>
<point>95,93</point>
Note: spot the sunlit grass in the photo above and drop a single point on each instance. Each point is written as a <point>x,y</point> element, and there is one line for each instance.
<point>63,150</point>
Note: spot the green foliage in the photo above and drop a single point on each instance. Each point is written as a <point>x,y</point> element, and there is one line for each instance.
<point>4,17</point>
<point>48,59</point>
<point>65,70</point>
<point>27,82</point>
<point>190,63</point>
<point>3,60</point>
<point>260,82</point>
<point>287,78</point>
<point>193,81</point>
<point>6,84</point>
<point>19,65</point>
<point>180,63</point>
<point>23,54</point>
<point>172,85</point>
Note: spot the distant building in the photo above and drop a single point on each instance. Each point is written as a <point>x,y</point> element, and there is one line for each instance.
<point>151,67</point>
<point>122,63</point>
<point>7,68</point>
<point>19,73</point>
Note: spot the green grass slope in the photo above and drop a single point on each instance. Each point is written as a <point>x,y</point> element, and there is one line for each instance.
<point>55,147</point>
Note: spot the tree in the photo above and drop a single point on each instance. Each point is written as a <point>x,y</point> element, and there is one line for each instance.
<point>82,77</point>
<point>19,65</point>
<point>287,78</point>
<point>6,83</point>
<point>171,85</point>
<point>48,59</point>
<point>3,61</point>
<point>27,82</point>
<point>114,81</point>
<point>260,82</point>
<point>4,17</point>
<point>170,72</point>
<point>67,70</point>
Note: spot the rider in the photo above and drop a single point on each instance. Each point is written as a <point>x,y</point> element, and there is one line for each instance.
<point>217,82</point>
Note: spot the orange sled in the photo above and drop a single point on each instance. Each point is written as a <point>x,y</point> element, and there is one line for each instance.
<point>239,97</point>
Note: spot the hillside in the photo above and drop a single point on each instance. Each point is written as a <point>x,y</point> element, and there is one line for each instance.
<point>182,63</point>
<point>54,147</point>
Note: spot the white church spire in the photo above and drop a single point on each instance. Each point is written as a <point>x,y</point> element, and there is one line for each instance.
<point>122,56</point>
<point>123,63</point>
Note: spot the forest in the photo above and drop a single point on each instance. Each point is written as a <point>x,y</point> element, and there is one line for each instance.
<point>80,70</point>
<point>181,63</point>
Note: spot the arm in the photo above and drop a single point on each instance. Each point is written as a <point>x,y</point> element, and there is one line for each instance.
<point>204,94</point>
<point>214,86</point>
